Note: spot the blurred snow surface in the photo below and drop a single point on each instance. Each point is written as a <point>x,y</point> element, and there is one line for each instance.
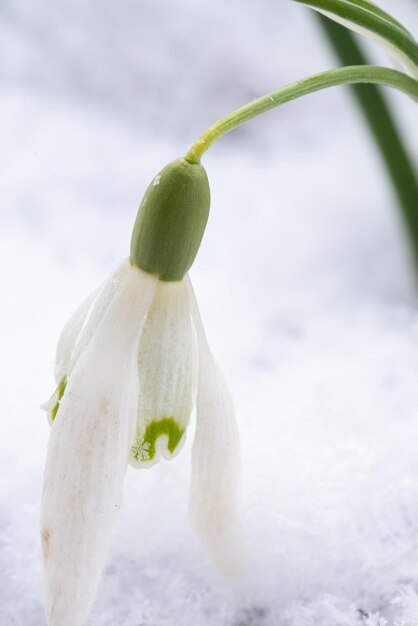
<point>304,283</point>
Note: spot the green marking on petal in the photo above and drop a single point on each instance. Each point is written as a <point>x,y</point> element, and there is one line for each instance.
<point>59,393</point>
<point>145,447</point>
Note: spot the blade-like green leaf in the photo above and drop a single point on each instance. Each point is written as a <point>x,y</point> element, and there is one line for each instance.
<point>382,124</point>
<point>365,18</point>
<point>373,8</point>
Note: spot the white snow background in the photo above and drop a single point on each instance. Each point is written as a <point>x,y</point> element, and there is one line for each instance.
<point>304,283</point>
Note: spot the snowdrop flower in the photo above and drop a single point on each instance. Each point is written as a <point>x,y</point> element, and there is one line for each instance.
<point>127,366</point>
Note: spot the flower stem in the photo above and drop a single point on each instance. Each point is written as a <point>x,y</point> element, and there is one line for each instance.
<point>331,78</point>
<point>383,127</point>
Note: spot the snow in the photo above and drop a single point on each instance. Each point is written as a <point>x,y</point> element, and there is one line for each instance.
<point>304,283</point>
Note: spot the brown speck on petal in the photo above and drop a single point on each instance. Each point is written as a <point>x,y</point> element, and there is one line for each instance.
<point>45,536</point>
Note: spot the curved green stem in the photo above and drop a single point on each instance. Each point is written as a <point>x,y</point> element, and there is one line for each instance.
<point>331,78</point>
<point>384,129</point>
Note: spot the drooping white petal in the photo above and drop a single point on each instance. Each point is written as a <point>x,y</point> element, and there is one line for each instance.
<point>216,468</point>
<point>88,453</point>
<point>69,335</point>
<point>105,296</point>
<point>77,334</point>
<point>165,366</point>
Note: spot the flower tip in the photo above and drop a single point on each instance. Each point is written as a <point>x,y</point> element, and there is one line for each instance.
<point>227,552</point>
<point>163,438</point>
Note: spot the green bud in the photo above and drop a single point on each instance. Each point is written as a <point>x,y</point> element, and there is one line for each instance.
<point>171,220</point>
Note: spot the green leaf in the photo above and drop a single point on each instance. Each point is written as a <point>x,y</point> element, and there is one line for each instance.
<point>369,6</point>
<point>369,20</point>
<point>383,126</point>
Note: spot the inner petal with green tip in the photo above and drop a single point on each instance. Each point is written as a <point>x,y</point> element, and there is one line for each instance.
<point>166,366</point>
<point>54,402</point>
<point>145,447</point>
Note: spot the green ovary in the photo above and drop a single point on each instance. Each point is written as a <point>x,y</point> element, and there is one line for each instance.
<point>145,447</point>
<point>59,393</point>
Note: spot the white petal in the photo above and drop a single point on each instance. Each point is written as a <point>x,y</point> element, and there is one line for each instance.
<point>216,467</point>
<point>106,293</point>
<point>77,334</point>
<point>88,453</point>
<point>69,335</point>
<point>165,376</point>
